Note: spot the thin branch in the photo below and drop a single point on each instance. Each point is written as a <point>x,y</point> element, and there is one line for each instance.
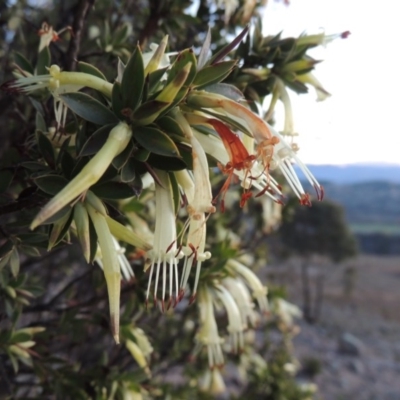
<point>151,25</point>
<point>82,11</point>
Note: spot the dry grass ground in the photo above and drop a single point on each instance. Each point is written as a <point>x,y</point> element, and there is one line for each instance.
<point>364,302</point>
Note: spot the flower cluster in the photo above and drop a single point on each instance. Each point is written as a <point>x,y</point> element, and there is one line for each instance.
<point>234,294</point>
<point>164,117</point>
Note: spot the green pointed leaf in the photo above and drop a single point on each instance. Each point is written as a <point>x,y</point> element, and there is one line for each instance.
<point>116,100</point>
<point>5,335</point>
<point>32,237</point>
<point>93,241</point>
<point>13,359</point>
<point>6,248</point>
<point>60,229</point>
<point>90,69</point>
<point>23,63</point>
<point>134,205</point>
<point>5,180</point>
<point>40,122</point>
<point>187,156</point>
<point>133,80</point>
<point>155,141</point>
<point>4,261</point>
<point>184,57</point>
<point>169,125</point>
<point>298,87</point>
<point>123,157</point>
<point>43,62</point>
<point>225,89</point>
<point>63,150</point>
<point>51,184</point>
<point>166,163</point>
<point>113,191</point>
<point>45,148</point>
<point>154,79</point>
<point>34,166</point>
<point>89,108</point>
<point>14,263</point>
<point>128,172</point>
<point>96,141</point>
<point>228,48</point>
<point>20,337</point>
<point>142,155</point>
<point>31,251</point>
<point>213,74</point>
<point>175,192</point>
<point>149,111</point>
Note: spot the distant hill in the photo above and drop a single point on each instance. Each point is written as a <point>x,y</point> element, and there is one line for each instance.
<point>370,196</point>
<point>373,202</point>
<point>354,173</point>
<point>372,210</point>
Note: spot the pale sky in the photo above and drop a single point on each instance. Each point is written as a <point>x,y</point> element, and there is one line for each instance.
<point>358,123</point>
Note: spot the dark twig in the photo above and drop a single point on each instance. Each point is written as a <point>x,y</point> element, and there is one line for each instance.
<point>152,23</point>
<point>77,28</point>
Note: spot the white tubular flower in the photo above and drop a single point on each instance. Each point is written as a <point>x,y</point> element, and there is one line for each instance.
<point>252,280</point>
<point>152,60</point>
<point>321,38</point>
<point>202,202</point>
<point>111,265</point>
<point>157,58</point>
<point>212,382</point>
<point>57,79</point>
<point>140,349</point>
<point>139,356</point>
<point>287,311</point>
<point>236,325</point>
<point>282,158</point>
<point>208,333</point>
<point>202,198</point>
<point>185,181</point>
<point>242,297</point>
<point>271,215</point>
<point>288,129</point>
<point>48,34</point>
<point>310,79</point>
<point>117,141</point>
<point>164,256</point>
<point>142,341</point>
<point>194,252</point>
<point>199,197</point>
<point>59,82</point>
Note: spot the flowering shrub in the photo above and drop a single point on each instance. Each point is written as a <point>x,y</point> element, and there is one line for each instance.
<point>123,167</point>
